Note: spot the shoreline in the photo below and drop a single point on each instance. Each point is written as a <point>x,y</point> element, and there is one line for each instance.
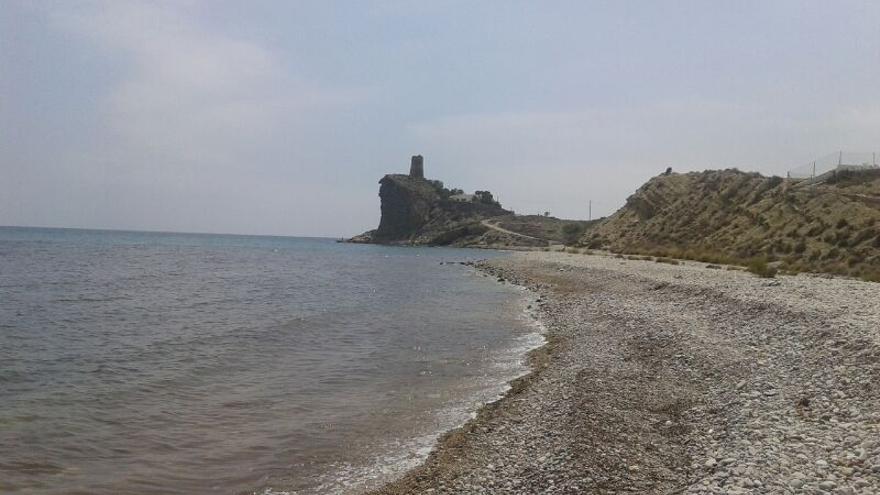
<point>657,378</point>
<point>508,363</point>
<point>535,359</point>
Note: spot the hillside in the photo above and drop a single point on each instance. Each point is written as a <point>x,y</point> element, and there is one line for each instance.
<point>735,216</point>
<point>554,230</point>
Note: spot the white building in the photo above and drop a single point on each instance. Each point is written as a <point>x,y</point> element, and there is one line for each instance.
<point>463,198</point>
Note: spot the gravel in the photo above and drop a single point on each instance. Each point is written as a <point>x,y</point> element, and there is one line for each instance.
<point>663,379</point>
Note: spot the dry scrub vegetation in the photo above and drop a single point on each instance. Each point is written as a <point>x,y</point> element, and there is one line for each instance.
<point>546,227</point>
<point>763,223</point>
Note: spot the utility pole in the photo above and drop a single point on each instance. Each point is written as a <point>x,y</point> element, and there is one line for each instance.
<point>590,217</point>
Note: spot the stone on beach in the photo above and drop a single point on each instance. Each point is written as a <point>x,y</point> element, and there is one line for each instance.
<point>663,378</point>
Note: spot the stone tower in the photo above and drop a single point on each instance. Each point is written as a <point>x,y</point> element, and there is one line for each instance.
<point>417,167</point>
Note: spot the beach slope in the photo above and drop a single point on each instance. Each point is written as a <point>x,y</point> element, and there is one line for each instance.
<point>661,378</point>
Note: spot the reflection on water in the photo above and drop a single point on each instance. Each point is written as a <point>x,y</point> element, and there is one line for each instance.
<point>172,363</point>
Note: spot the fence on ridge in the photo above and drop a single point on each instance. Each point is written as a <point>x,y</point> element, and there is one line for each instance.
<point>822,168</point>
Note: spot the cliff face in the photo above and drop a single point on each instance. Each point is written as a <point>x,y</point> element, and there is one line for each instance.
<point>406,205</point>
<point>829,227</point>
<point>419,211</point>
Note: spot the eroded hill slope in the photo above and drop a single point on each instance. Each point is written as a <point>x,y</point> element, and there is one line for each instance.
<point>730,215</point>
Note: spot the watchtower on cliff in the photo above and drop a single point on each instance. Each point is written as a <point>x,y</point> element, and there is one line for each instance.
<point>417,167</point>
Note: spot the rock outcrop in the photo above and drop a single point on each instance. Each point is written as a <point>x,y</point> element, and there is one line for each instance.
<point>406,204</point>
<point>420,212</point>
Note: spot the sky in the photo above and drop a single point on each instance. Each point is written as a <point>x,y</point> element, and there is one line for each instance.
<point>280,117</point>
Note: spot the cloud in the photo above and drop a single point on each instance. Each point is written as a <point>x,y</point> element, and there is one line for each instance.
<point>193,115</point>
<point>192,97</point>
<point>194,128</point>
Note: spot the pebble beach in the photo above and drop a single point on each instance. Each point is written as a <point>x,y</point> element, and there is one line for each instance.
<point>676,379</point>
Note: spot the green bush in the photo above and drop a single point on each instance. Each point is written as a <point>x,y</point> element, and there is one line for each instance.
<point>594,244</point>
<point>862,236</point>
<point>572,232</point>
<point>668,261</point>
<point>815,230</point>
<point>486,197</point>
<point>759,267</point>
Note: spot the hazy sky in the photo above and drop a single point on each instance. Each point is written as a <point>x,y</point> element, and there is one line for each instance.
<point>280,117</point>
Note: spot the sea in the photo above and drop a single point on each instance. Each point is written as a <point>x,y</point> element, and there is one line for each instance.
<point>166,363</point>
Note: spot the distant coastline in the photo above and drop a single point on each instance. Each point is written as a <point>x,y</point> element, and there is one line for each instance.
<point>769,224</point>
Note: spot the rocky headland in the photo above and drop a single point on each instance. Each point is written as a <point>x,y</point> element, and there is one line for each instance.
<point>417,211</point>
<point>422,212</point>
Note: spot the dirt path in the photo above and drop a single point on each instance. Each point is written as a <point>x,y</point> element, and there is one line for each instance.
<point>493,226</point>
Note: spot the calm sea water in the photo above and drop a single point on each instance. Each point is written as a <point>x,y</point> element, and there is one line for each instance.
<point>149,363</point>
